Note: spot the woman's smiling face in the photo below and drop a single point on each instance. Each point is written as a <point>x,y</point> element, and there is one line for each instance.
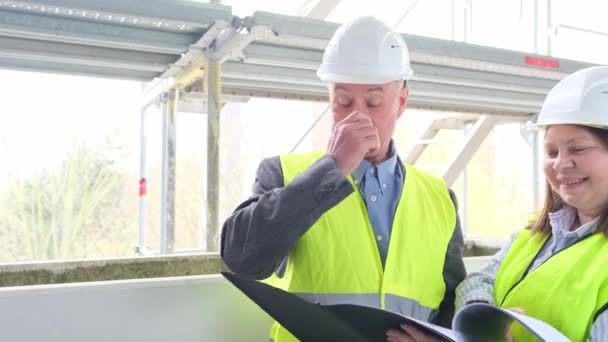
<point>576,166</point>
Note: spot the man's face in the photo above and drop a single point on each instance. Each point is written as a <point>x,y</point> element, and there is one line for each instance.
<point>383,103</point>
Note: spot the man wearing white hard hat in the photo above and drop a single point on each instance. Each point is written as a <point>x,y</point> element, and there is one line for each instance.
<point>319,224</point>
<point>556,268</point>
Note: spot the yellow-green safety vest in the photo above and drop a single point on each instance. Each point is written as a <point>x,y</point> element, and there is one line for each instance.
<point>567,291</point>
<point>337,260</point>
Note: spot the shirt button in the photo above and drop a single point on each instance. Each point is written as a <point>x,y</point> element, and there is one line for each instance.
<point>384,186</point>
<point>379,237</point>
<point>374,198</point>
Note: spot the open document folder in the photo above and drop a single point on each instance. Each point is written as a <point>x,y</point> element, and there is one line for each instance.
<point>355,323</point>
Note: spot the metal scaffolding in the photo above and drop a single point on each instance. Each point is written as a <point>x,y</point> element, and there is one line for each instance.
<point>187,50</point>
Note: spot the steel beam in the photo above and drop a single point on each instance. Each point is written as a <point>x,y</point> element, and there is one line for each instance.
<point>167,210</point>
<point>89,56</point>
<point>213,88</point>
<point>178,15</point>
<point>475,138</point>
<point>66,30</point>
<point>74,69</point>
<point>317,9</point>
<point>141,246</point>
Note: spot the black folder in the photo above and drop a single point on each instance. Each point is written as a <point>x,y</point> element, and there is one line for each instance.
<point>315,322</point>
<point>311,322</point>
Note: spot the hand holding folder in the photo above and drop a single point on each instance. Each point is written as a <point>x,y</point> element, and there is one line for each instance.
<point>354,323</point>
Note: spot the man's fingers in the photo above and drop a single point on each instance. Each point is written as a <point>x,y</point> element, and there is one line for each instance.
<point>416,334</point>
<point>355,133</point>
<point>373,134</point>
<point>355,126</point>
<point>372,140</point>
<point>509,334</point>
<point>351,139</point>
<point>352,125</point>
<point>356,117</point>
<point>395,335</point>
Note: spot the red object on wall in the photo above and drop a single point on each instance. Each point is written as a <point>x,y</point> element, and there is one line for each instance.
<point>542,62</point>
<point>142,187</point>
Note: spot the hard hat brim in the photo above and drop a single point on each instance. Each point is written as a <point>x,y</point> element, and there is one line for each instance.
<point>363,78</point>
<point>554,122</point>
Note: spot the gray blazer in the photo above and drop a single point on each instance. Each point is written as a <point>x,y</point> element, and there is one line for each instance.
<point>258,236</point>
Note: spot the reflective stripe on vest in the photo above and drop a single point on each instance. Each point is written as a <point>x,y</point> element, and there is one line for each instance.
<point>337,259</point>
<point>394,303</point>
<point>566,291</point>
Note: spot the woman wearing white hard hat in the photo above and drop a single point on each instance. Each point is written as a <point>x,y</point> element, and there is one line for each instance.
<point>556,269</point>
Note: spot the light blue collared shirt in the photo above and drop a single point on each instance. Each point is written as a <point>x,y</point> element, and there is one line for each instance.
<point>380,186</point>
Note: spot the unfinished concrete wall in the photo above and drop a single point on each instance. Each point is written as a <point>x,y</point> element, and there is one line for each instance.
<point>57,272</point>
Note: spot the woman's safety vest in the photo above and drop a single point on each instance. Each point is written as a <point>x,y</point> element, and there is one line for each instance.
<point>568,291</point>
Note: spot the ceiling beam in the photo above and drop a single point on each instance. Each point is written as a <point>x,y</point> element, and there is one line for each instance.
<point>317,9</point>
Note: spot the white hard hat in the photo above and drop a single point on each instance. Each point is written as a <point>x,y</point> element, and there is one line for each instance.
<point>365,51</point>
<point>580,98</point>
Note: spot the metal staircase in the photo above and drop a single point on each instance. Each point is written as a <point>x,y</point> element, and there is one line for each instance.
<point>476,128</point>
